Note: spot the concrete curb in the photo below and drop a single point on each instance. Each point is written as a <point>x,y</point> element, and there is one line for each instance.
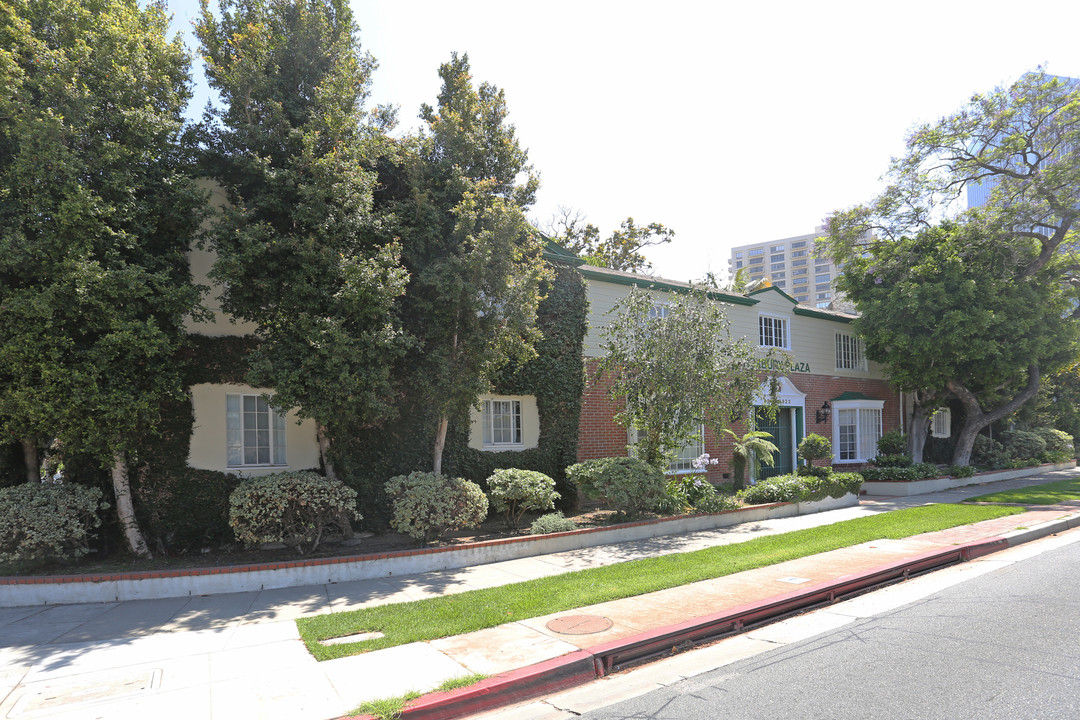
<point>907,488</point>
<point>584,666</point>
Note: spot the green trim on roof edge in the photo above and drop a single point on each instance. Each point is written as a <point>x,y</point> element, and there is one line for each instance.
<point>773,287</point>
<point>852,395</point>
<point>651,283</point>
<point>810,312</point>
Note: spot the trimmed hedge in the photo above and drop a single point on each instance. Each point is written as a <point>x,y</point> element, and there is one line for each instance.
<point>47,521</point>
<point>294,508</point>
<point>426,505</point>
<point>890,474</point>
<point>628,485</point>
<point>795,488</point>
<point>514,492</point>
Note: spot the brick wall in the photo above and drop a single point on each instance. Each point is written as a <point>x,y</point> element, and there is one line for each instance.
<point>599,436</point>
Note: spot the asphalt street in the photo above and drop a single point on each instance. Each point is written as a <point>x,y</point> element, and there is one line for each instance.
<point>1002,645</point>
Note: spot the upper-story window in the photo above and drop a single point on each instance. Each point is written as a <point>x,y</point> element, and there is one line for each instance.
<point>659,310</point>
<point>798,263</point>
<point>757,260</point>
<point>738,263</point>
<point>773,332</point>
<point>776,258</point>
<point>798,253</point>
<point>849,354</point>
<point>757,251</point>
<point>776,248</point>
<point>777,266</point>
<point>822,278</point>
<point>738,255</point>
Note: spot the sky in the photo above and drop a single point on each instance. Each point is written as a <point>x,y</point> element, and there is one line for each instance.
<point>729,122</point>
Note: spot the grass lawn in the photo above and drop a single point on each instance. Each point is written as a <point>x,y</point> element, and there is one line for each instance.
<point>1048,494</point>
<point>448,615</point>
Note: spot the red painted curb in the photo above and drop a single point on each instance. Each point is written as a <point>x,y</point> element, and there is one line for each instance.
<point>584,666</point>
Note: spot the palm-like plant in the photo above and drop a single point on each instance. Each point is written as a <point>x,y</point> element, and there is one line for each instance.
<point>755,443</point>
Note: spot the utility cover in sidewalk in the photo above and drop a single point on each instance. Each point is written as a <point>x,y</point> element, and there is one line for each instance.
<point>579,624</point>
<point>68,693</point>
<point>793,580</point>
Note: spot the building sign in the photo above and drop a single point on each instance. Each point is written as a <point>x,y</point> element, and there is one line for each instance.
<point>783,365</point>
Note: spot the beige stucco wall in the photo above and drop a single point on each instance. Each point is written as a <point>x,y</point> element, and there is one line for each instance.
<point>201,260</point>
<point>813,340</point>
<point>530,424</point>
<point>208,450</point>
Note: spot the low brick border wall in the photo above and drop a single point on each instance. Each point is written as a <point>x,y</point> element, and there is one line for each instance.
<point>904,488</point>
<point>146,585</point>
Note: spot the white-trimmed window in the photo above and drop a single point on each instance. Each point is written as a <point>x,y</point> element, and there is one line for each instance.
<point>856,429</point>
<point>659,310</point>
<point>502,423</point>
<point>254,432</point>
<point>849,354</point>
<point>941,423</point>
<point>773,332</point>
<point>683,462</point>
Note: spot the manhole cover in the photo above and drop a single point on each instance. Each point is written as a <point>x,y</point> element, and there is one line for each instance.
<point>579,624</point>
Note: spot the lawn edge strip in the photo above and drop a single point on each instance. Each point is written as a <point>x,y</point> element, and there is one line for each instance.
<point>461,611</point>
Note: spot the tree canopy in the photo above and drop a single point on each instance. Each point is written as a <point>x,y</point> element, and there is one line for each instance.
<point>300,251</point>
<point>97,208</point>
<point>621,250</point>
<point>948,316</point>
<point>674,362</point>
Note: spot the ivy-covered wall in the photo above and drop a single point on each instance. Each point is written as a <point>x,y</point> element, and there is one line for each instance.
<point>555,377</point>
<point>181,508</point>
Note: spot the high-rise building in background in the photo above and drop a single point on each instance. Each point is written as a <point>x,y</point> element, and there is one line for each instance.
<point>789,264</point>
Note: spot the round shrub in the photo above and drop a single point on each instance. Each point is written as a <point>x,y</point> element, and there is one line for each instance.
<point>815,447</point>
<point>1057,441</point>
<point>552,523</point>
<point>295,508</point>
<point>714,502</point>
<point>1023,444</point>
<point>628,485</point>
<point>426,505</point>
<point>822,471</point>
<point>989,453</point>
<point>961,471</point>
<point>47,521</point>
<point>514,492</point>
<point>891,443</point>
<point>688,493</point>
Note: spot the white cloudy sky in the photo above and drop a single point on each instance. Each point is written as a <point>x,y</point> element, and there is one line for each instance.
<point>730,122</point>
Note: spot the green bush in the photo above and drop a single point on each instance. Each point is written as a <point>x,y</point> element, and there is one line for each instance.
<point>1057,441</point>
<point>552,523</point>
<point>892,461</point>
<point>823,471</point>
<point>1023,444</point>
<point>693,493</point>
<point>295,508</point>
<point>815,447</point>
<point>961,471</point>
<point>781,488</point>
<point>925,470</point>
<point>628,485</point>
<point>1055,457</point>
<point>514,492</point>
<point>988,453</point>
<point>47,521</point>
<point>890,474</point>
<point>426,505</point>
<point>184,509</point>
<point>891,443</point>
<point>795,488</point>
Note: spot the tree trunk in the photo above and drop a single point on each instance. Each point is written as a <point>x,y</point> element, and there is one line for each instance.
<point>440,444</point>
<point>920,420</point>
<point>125,509</point>
<point>976,419</point>
<point>324,451</point>
<point>30,458</point>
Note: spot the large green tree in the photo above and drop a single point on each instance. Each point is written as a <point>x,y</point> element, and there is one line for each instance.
<point>949,315</point>
<point>459,192</point>
<point>300,251</point>
<point>97,207</point>
<point>676,366</point>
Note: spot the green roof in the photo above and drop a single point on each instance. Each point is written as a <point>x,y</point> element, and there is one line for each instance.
<point>851,395</point>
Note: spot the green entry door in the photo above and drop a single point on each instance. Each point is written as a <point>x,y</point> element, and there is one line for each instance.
<point>780,429</point>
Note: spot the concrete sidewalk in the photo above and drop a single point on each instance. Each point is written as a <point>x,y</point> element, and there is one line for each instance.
<point>240,654</point>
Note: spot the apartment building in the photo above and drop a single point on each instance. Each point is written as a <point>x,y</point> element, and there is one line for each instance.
<point>790,265</point>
